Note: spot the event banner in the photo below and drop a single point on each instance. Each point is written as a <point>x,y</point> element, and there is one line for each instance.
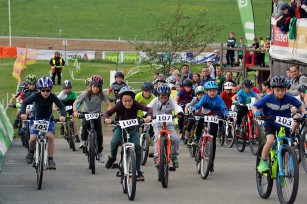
<point>247,18</point>
<point>48,54</point>
<point>285,49</point>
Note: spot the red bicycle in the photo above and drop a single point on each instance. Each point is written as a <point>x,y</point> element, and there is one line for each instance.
<point>250,131</point>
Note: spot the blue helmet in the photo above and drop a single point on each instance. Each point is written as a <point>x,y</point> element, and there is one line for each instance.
<point>44,82</point>
<point>211,85</point>
<point>164,90</point>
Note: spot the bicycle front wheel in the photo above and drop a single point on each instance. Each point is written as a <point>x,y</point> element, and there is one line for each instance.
<point>40,165</point>
<point>221,138</point>
<point>131,177</point>
<point>145,148</point>
<point>255,140</point>
<point>27,136</point>
<point>230,136</point>
<point>71,137</point>
<point>206,161</point>
<point>303,150</point>
<point>163,167</point>
<point>240,142</point>
<point>92,152</point>
<point>287,184</point>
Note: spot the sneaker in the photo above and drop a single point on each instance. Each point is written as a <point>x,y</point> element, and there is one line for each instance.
<point>140,176</point>
<point>77,139</point>
<point>29,158</point>
<point>15,125</point>
<point>82,144</point>
<point>187,135</point>
<point>51,165</point>
<point>175,162</point>
<point>22,131</point>
<point>101,158</point>
<point>263,166</point>
<point>282,182</point>
<point>110,162</point>
<point>194,143</point>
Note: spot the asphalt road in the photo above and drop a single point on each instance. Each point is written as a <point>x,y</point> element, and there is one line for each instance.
<point>232,182</point>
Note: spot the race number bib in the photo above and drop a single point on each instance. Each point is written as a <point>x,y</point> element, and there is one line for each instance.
<point>287,122</point>
<point>232,114</point>
<point>164,118</point>
<point>30,107</point>
<point>211,119</point>
<point>91,116</point>
<point>249,106</point>
<point>41,125</point>
<point>67,108</point>
<point>128,123</point>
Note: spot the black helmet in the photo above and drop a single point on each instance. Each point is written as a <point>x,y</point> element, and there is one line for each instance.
<point>247,83</point>
<point>302,88</point>
<point>119,74</point>
<point>187,82</point>
<point>160,79</point>
<point>279,81</point>
<point>147,86</point>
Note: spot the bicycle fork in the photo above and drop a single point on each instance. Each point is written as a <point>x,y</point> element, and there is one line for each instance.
<point>126,147</point>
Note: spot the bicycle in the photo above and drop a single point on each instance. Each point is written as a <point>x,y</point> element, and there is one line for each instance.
<point>283,165</point>
<point>228,130</point>
<point>91,147</point>
<point>69,135</point>
<point>191,144</point>
<point>250,131</point>
<point>127,164</point>
<point>145,142</point>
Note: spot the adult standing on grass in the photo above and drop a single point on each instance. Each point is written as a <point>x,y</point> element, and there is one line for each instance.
<point>57,63</point>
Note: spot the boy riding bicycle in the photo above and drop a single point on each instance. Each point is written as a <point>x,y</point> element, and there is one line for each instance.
<point>126,109</point>
<point>276,104</point>
<point>42,110</point>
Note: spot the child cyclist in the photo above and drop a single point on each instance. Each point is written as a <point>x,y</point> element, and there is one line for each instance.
<point>244,97</point>
<point>214,105</point>
<point>92,100</point>
<point>227,94</point>
<point>127,109</point>
<point>68,98</point>
<point>164,104</point>
<point>117,85</point>
<point>42,110</point>
<point>276,104</point>
<point>145,97</point>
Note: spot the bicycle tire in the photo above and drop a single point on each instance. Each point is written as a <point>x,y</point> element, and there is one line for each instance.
<point>131,179</point>
<point>91,153</point>
<point>145,148</point>
<point>296,147</point>
<point>163,166</point>
<point>27,136</point>
<point>72,144</point>
<point>294,173</point>
<point>240,142</point>
<point>40,165</point>
<point>303,150</point>
<point>221,138</point>
<point>264,181</point>
<point>230,136</point>
<point>206,162</point>
<point>255,141</point>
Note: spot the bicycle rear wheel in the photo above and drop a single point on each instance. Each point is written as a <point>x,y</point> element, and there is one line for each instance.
<point>296,147</point>
<point>255,141</point>
<point>131,177</point>
<point>163,167</point>
<point>287,185</point>
<point>263,180</point>
<point>145,148</point>
<point>71,137</point>
<point>92,152</point>
<point>303,150</point>
<point>230,136</point>
<point>40,165</point>
<point>241,141</point>
<point>206,161</point>
<point>27,136</point>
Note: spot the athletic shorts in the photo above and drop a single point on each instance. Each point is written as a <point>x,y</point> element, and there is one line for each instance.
<point>50,128</point>
<point>271,130</point>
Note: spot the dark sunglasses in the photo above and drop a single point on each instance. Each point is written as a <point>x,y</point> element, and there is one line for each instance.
<point>31,83</point>
<point>45,90</point>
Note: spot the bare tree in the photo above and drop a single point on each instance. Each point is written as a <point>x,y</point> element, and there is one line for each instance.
<point>176,32</point>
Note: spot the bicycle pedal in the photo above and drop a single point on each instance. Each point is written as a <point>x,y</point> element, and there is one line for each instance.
<point>115,166</point>
<point>172,168</point>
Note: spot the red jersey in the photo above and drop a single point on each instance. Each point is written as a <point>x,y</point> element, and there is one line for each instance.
<point>227,98</point>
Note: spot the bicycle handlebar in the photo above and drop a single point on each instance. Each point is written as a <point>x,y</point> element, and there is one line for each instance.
<point>82,115</point>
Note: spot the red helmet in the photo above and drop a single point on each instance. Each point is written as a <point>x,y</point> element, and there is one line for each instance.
<point>97,80</point>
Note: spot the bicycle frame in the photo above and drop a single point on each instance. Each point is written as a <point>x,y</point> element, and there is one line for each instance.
<point>165,133</point>
<point>205,136</point>
<point>126,145</point>
<point>42,139</point>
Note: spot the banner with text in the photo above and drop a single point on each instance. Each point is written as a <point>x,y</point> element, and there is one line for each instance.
<point>48,54</point>
<point>247,18</point>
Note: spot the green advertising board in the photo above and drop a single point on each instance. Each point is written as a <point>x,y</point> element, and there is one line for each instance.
<point>112,56</point>
<point>131,57</point>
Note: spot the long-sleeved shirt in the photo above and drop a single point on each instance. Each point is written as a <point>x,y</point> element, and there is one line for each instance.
<point>231,42</point>
<point>277,9</point>
<point>42,106</point>
<point>215,104</point>
<point>123,113</point>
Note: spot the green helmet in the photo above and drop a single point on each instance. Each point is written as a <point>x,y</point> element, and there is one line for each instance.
<point>31,78</point>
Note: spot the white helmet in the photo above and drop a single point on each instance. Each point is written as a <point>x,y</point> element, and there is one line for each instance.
<point>228,85</point>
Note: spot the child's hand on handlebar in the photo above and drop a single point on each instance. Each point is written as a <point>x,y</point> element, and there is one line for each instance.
<point>62,119</point>
<point>107,121</point>
<point>147,119</point>
<point>23,116</point>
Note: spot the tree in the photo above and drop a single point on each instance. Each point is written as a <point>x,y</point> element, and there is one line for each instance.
<point>175,33</point>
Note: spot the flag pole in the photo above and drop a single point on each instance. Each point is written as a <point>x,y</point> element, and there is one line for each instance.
<point>10,30</point>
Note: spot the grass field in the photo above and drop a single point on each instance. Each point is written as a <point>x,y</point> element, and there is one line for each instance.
<point>108,19</point>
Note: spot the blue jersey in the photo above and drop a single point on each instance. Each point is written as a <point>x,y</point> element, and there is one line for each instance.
<point>215,104</point>
<point>245,98</point>
<point>277,107</point>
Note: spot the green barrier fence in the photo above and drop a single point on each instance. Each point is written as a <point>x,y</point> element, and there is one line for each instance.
<point>6,134</point>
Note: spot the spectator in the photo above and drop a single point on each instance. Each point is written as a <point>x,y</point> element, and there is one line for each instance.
<point>266,88</point>
<point>240,52</point>
<point>178,81</point>
<point>186,74</point>
<point>156,75</point>
<point>277,8</point>
<point>266,46</point>
<point>255,46</point>
<point>196,80</point>
<point>219,79</point>
<point>297,79</point>
<point>216,57</point>
<point>255,89</point>
<point>211,68</point>
<point>288,75</point>
<point>261,53</point>
<point>206,76</point>
<point>173,69</point>
<point>56,63</point>
<point>300,8</point>
<point>228,76</point>
<point>283,22</point>
<point>231,43</point>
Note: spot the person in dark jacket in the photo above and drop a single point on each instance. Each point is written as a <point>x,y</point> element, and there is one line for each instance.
<point>57,63</point>
<point>231,43</point>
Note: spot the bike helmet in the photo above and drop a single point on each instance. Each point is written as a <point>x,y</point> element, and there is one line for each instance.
<point>44,82</point>
<point>171,80</point>
<point>211,85</point>
<point>87,81</point>
<point>147,86</point>
<point>247,83</point>
<point>164,90</point>
<point>228,85</point>
<point>119,74</point>
<point>187,82</point>
<point>31,78</point>
<point>279,81</point>
<point>97,80</point>
<point>302,88</point>
<point>126,90</point>
<point>66,84</point>
<point>160,79</point>
<point>199,90</point>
